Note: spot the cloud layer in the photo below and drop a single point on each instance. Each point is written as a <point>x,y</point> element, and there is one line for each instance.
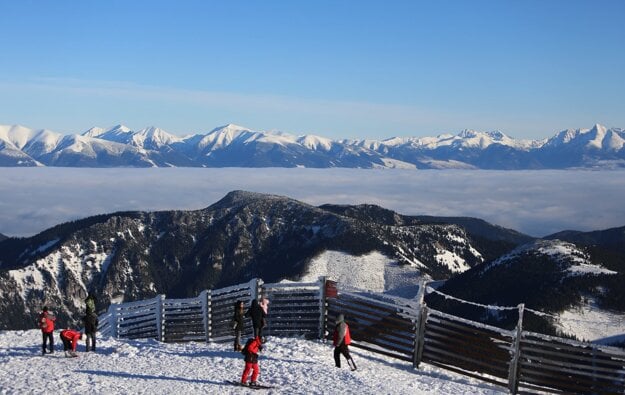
<point>533,202</point>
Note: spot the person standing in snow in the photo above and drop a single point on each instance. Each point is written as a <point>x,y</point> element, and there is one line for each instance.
<point>91,326</point>
<point>251,350</point>
<point>257,314</point>
<point>70,340</point>
<point>46,324</point>
<point>342,339</point>
<point>237,324</point>
<point>90,303</point>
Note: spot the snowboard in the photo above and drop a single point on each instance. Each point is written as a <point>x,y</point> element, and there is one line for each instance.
<point>254,387</point>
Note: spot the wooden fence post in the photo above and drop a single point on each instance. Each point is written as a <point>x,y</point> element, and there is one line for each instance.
<point>160,318</point>
<point>259,287</point>
<point>419,325</point>
<point>205,298</point>
<point>322,307</point>
<point>513,375</point>
<point>114,321</point>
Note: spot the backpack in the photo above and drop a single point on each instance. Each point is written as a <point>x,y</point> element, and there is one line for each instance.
<point>90,306</point>
<point>245,349</point>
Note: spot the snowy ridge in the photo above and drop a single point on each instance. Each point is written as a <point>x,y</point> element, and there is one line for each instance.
<point>576,261</point>
<point>234,145</point>
<point>49,275</point>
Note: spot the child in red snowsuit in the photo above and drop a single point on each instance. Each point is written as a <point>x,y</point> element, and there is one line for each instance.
<point>251,350</point>
<point>70,340</point>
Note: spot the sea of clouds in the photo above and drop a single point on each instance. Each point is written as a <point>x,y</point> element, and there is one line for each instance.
<point>534,202</point>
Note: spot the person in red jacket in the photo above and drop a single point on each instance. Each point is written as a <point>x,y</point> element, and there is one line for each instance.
<point>70,339</point>
<point>342,339</point>
<point>46,324</point>
<point>251,350</point>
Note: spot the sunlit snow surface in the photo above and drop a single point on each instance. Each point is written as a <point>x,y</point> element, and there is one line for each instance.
<point>293,366</point>
<point>588,322</point>
<point>372,272</point>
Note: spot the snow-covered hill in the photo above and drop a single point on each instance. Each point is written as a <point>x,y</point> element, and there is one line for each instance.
<point>293,366</point>
<point>566,289</point>
<point>136,255</point>
<point>237,146</point>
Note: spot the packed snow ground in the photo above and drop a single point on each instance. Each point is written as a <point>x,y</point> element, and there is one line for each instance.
<point>293,366</point>
<point>372,272</point>
<point>590,323</point>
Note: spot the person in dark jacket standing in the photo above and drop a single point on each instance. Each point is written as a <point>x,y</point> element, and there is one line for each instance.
<point>91,327</point>
<point>46,324</point>
<point>237,324</point>
<point>257,315</point>
<point>342,339</point>
<point>251,350</point>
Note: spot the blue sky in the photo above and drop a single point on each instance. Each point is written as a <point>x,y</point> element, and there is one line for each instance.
<point>340,69</point>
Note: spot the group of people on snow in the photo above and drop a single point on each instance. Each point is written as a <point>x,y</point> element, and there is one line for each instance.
<point>257,312</point>
<point>69,337</point>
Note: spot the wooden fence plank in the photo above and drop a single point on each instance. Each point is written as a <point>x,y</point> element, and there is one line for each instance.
<point>467,348</point>
<point>347,310</point>
<point>468,373</point>
<point>566,384</point>
<point>441,355</point>
<point>485,341</point>
<point>503,334</point>
<point>564,359</point>
<point>364,346</point>
<point>571,353</point>
<point>573,372</point>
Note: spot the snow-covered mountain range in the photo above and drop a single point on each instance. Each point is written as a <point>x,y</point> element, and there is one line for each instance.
<point>237,146</point>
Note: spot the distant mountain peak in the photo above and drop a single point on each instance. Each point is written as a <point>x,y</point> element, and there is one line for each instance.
<point>315,142</point>
<point>230,127</point>
<point>598,127</point>
<point>94,132</point>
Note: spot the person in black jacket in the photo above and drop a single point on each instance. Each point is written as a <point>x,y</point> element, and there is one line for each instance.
<point>257,315</point>
<point>237,324</point>
<point>91,326</point>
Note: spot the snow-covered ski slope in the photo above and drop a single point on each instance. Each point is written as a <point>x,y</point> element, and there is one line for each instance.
<point>293,366</point>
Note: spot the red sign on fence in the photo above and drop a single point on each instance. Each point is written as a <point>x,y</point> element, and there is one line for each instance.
<point>331,290</point>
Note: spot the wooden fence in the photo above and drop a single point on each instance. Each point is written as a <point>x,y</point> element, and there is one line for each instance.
<point>295,309</point>
<point>570,366</point>
<point>380,324</point>
<point>405,329</point>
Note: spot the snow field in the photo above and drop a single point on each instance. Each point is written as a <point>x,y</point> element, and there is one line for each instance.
<point>372,272</point>
<point>293,366</point>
